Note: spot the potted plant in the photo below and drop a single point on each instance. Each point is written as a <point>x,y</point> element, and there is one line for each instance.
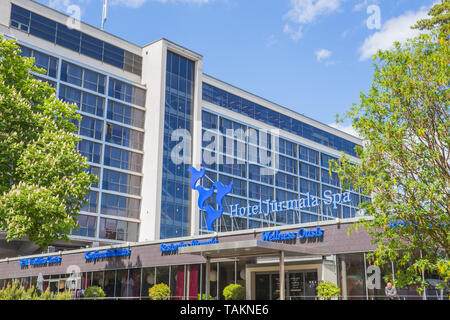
<point>234,292</point>
<point>327,290</point>
<point>94,292</point>
<point>159,291</point>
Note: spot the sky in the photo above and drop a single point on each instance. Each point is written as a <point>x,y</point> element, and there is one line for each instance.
<point>311,56</point>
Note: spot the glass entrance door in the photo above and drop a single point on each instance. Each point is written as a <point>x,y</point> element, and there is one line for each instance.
<point>299,285</point>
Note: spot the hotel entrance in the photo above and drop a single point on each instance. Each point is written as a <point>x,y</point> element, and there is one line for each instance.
<point>300,285</point>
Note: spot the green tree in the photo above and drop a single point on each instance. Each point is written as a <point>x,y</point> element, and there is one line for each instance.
<point>439,17</point>
<point>405,163</point>
<point>43,179</point>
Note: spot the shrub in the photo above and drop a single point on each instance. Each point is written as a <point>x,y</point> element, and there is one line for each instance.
<point>326,290</point>
<point>15,292</point>
<point>203,297</point>
<point>94,292</point>
<point>234,292</point>
<point>159,291</point>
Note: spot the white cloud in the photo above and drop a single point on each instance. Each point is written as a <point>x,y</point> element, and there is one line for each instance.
<point>395,29</point>
<point>293,34</point>
<point>364,4</point>
<point>139,3</point>
<point>62,5</point>
<point>345,128</point>
<point>271,41</point>
<point>306,11</point>
<point>322,54</point>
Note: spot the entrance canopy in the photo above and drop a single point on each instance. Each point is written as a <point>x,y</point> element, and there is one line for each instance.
<point>248,248</point>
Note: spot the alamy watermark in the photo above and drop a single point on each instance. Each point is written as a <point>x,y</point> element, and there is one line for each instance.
<point>234,146</point>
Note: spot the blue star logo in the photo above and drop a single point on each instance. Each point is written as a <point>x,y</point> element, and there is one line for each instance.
<point>211,214</point>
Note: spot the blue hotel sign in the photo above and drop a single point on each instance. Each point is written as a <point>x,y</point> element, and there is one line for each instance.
<point>39,261</point>
<point>174,246</point>
<point>106,254</point>
<point>302,233</point>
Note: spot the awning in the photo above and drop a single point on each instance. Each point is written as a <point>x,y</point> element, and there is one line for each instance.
<point>248,248</point>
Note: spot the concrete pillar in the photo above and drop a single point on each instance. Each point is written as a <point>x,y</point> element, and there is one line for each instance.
<point>282,295</point>
<point>344,279</point>
<point>207,286</point>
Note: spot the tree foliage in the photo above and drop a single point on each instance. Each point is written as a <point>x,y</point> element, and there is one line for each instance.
<point>43,179</point>
<point>439,17</point>
<point>405,162</point>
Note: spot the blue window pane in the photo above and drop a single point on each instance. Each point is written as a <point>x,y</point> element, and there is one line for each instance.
<point>68,38</point>
<point>42,27</point>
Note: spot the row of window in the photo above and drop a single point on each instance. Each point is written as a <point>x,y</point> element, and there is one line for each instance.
<point>93,104</point>
<point>241,135</point>
<point>113,205</point>
<point>109,228</point>
<point>276,119</point>
<point>73,39</point>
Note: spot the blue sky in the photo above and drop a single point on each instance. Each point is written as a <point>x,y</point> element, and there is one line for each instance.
<point>312,56</point>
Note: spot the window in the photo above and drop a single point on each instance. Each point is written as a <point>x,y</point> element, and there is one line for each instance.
<point>41,60</point>
<point>309,171</point>
<point>325,159</point>
<point>256,173</point>
<point>92,199</point>
<point>118,230</point>
<point>124,136</point>
<point>309,155</point>
<point>90,127</point>
<point>92,104</point>
<point>68,38</point>
<point>88,226</point>
<point>71,73</point>
<point>82,77</point>
<point>121,182</point>
<point>115,205</point>
<point>42,27</point>
<point>90,150</point>
<point>96,172</point>
<point>123,159</point>
<point>209,120</point>
<point>239,186</point>
<point>20,18</point>
<point>94,81</point>
<point>287,164</point>
<point>70,95</point>
<point>286,181</point>
<point>126,92</point>
<point>125,114</point>
<point>332,179</point>
<point>287,148</point>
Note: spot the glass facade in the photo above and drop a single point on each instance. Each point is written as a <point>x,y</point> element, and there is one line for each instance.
<point>278,120</point>
<point>357,278</point>
<point>301,170</point>
<point>111,215</point>
<point>175,177</point>
<point>58,33</point>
